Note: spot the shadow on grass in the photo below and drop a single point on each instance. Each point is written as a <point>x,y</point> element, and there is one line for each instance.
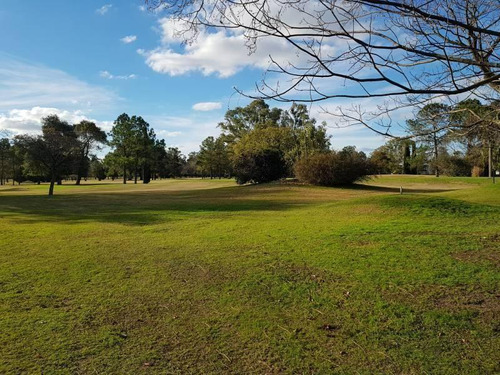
<point>395,189</point>
<point>148,207</point>
<point>442,206</point>
<point>137,208</point>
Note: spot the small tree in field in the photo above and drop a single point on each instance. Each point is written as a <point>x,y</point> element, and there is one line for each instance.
<point>333,168</point>
<point>431,128</point>
<point>53,152</point>
<point>258,166</point>
<point>89,136</point>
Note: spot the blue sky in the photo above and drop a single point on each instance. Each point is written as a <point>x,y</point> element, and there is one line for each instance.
<point>95,60</point>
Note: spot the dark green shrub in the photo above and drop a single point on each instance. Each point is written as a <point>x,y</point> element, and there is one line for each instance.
<point>333,168</point>
<point>259,166</point>
<point>456,165</point>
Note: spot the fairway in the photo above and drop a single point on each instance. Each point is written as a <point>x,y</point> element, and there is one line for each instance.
<point>192,276</point>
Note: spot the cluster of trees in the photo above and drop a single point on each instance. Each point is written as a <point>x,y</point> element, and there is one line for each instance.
<point>60,150</point>
<point>460,140</point>
<point>260,144</point>
<point>138,154</point>
<point>257,144</point>
<point>64,151</point>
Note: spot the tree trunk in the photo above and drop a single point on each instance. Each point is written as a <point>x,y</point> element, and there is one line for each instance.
<point>135,171</point>
<point>124,175</point>
<point>436,155</point>
<point>51,187</point>
<point>79,171</point>
<point>490,169</point>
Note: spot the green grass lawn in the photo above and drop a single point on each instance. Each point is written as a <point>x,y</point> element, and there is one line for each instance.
<point>206,277</point>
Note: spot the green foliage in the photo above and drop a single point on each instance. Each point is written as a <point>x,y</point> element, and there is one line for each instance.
<point>481,130</point>
<point>400,156</point>
<point>5,159</point>
<point>97,168</point>
<point>213,158</point>
<point>90,137</point>
<point>432,127</point>
<point>53,153</point>
<point>174,162</point>
<point>262,132</point>
<point>191,167</point>
<point>241,120</point>
<point>333,168</point>
<point>135,146</point>
<point>259,166</point>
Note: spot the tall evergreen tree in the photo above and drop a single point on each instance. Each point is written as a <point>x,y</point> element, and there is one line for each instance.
<point>90,137</point>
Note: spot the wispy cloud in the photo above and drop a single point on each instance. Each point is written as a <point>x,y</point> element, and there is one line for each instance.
<point>207,106</point>
<point>187,132</point>
<point>129,39</point>
<point>104,9</point>
<point>168,134</point>
<point>108,75</point>
<point>26,85</point>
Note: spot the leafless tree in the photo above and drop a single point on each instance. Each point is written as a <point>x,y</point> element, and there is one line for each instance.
<point>404,52</point>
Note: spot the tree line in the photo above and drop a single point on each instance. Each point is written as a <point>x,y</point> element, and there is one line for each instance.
<point>459,140</point>
<point>65,151</point>
<point>256,144</point>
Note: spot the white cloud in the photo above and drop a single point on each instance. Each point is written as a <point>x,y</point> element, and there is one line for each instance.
<point>143,8</point>
<point>129,39</point>
<point>104,9</point>
<point>207,106</point>
<point>26,85</point>
<point>224,52</point>
<point>168,134</point>
<point>18,121</point>
<point>108,75</point>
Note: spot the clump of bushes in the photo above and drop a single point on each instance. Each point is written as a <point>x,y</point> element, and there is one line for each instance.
<point>455,165</point>
<point>258,166</point>
<point>333,168</point>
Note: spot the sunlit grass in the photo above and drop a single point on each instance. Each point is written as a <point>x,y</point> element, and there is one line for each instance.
<point>200,276</point>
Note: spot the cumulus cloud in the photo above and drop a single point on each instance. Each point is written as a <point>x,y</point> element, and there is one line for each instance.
<point>223,52</point>
<point>129,39</point>
<point>108,75</point>
<point>104,9</point>
<point>27,85</point>
<point>17,121</point>
<point>207,106</point>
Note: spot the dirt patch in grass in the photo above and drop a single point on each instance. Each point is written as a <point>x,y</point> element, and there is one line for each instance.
<point>465,297</point>
<point>490,252</point>
<point>480,303</point>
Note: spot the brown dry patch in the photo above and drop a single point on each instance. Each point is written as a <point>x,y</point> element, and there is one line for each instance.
<point>490,252</point>
<point>453,299</point>
<point>465,298</point>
